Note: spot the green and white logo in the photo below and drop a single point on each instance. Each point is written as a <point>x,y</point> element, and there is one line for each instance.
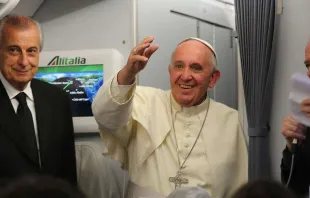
<point>57,60</point>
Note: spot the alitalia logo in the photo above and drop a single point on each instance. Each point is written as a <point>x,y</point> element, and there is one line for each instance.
<point>57,60</point>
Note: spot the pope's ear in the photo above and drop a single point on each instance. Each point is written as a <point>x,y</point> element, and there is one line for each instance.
<point>214,78</point>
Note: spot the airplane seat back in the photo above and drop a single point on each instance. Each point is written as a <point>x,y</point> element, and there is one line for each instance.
<point>99,176</point>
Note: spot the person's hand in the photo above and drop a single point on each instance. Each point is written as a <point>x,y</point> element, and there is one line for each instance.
<point>291,129</point>
<point>305,107</point>
<point>137,61</point>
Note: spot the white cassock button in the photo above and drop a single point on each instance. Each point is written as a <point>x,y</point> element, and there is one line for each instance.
<point>187,135</point>
<point>187,124</point>
<point>186,145</point>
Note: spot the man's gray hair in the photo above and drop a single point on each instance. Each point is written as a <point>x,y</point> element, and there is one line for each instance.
<point>189,192</point>
<point>207,44</point>
<point>20,22</point>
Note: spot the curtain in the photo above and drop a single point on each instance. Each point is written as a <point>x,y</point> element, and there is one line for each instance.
<point>255,24</point>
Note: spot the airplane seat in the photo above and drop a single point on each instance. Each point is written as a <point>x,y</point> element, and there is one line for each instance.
<point>99,176</point>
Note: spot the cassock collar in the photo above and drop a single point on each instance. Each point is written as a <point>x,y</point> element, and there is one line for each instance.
<point>190,110</point>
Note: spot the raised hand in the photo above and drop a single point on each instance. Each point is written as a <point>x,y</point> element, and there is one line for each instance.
<point>292,129</point>
<point>137,61</point>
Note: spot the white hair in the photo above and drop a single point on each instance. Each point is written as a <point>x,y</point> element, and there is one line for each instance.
<point>19,21</point>
<point>213,61</point>
<point>207,44</point>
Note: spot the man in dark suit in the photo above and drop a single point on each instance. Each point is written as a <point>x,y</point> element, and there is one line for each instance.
<point>36,129</point>
<point>291,129</point>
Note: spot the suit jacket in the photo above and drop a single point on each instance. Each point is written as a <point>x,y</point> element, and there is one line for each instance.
<point>55,131</point>
<point>300,180</point>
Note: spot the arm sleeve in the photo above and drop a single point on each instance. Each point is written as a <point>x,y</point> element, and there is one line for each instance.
<point>300,181</point>
<point>112,105</point>
<point>112,109</point>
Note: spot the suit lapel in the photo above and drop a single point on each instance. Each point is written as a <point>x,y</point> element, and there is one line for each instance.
<point>43,115</point>
<point>9,124</point>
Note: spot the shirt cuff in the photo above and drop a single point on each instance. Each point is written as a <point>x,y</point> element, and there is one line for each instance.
<point>121,93</point>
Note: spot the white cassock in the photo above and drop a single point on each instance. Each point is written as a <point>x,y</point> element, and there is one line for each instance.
<point>151,135</point>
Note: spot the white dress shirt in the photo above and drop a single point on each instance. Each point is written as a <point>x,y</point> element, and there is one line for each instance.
<point>12,92</point>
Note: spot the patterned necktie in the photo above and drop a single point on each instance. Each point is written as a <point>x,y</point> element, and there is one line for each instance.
<point>27,125</point>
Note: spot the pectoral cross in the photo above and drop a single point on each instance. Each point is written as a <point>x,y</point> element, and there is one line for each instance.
<point>178,180</point>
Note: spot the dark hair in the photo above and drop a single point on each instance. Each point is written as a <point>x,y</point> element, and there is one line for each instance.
<point>39,186</point>
<point>263,189</point>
